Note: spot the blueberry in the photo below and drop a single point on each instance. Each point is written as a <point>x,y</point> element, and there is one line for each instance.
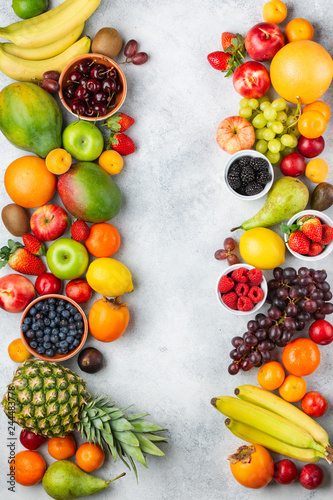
<point>47,345</point>
<point>27,321</point>
<point>61,351</point>
<point>24,328</point>
<point>40,322</point>
<point>64,344</point>
<point>47,331</point>
<point>68,306</point>
<point>65,314</point>
<point>79,324</point>
<point>55,331</point>
<point>70,339</point>
<point>52,300</point>
<point>50,353</point>
<point>57,320</point>
<point>53,324</point>
<point>40,334</point>
<point>73,310</point>
<point>47,321</point>
<point>46,338</point>
<point>52,314</point>
<point>38,305</point>
<point>63,322</point>
<point>62,302</point>
<point>54,339</point>
<point>35,326</point>
<point>71,326</point>
<point>45,308</point>
<point>77,317</point>
<point>71,320</point>
<point>64,329</point>
<point>30,334</point>
<point>40,349</point>
<point>39,316</point>
<point>33,311</point>
<point>76,342</point>
<point>80,331</point>
<point>62,336</point>
<point>60,309</point>
<point>57,344</point>
<point>33,344</point>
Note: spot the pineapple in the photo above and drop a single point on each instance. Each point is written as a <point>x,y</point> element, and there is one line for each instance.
<point>53,401</point>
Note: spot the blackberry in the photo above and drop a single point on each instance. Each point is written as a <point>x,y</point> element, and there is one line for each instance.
<point>234,181</point>
<point>234,168</point>
<point>253,188</point>
<point>259,164</point>
<point>263,177</point>
<point>244,160</point>
<point>247,175</point>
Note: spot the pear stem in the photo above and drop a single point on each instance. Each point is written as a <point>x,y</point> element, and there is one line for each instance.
<point>235,228</point>
<point>114,479</point>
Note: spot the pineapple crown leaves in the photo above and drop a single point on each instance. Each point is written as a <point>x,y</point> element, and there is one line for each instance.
<point>6,252</point>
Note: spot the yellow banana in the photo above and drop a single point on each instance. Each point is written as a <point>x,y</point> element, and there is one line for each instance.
<point>255,436</point>
<point>271,402</point>
<point>46,51</point>
<point>30,71</point>
<point>51,25</point>
<point>266,421</point>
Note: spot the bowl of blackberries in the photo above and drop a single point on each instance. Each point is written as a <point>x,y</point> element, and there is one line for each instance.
<point>53,327</point>
<point>249,174</point>
<point>92,87</point>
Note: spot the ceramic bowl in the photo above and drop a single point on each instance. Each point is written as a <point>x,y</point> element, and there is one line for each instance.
<point>57,357</point>
<point>253,154</point>
<point>257,306</point>
<point>325,220</point>
<point>98,58</point>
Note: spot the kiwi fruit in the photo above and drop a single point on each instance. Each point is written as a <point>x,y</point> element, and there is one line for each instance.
<point>16,219</point>
<point>107,42</point>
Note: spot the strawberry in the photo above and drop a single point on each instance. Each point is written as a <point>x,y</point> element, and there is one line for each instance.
<point>226,40</point>
<point>119,122</point>
<point>80,230</point>
<point>122,144</point>
<point>230,300</point>
<point>299,242</point>
<point>311,227</point>
<point>219,60</point>
<point>225,284</point>
<point>315,249</point>
<point>20,259</point>
<point>244,304</point>
<point>33,244</point>
<point>327,234</point>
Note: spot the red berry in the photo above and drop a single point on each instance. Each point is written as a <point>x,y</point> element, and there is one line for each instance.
<point>327,234</point>
<point>299,242</point>
<point>256,294</point>
<point>225,284</point>
<point>240,275</point>
<point>80,230</point>
<point>230,300</point>
<point>242,289</point>
<point>315,248</point>
<point>255,276</point>
<point>244,304</point>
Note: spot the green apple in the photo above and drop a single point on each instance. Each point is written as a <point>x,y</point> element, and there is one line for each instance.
<point>67,259</point>
<point>83,140</point>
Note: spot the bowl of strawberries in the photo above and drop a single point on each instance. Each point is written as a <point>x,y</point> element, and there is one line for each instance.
<point>242,289</point>
<point>309,235</point>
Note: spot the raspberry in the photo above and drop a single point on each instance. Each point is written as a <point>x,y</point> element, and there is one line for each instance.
<point>244,304</point>
<point>255,276</point>
<point>230,300</point>
<point>80,230</point>
<point>242,289</point>
<point>327,234</point>
<point>240,275</point>
<point>256,294</point>
<point>225,284</point>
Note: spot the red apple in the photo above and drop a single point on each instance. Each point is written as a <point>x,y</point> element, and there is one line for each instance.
<point>310,147</point>
<point>78,290</point>
<point>49,222</point>
<point>235,134</point>
<point>251,80</point>
<point>48,283</point>
<point>263,41</point>
<point>293,165</point>
<point>16,292</point>
<point>321,332</point>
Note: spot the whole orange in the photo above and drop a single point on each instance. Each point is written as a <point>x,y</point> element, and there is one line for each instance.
<point>301,69</point>
<point>89,457</point>
<point>29,183</point>
<point>108,319</point>
<point>274,11</point>
<point>271,375</point>
<point>301,357</point>
<point>299,29</point>
<point>293,388</point>
<point>17,351</point>
<point>103,240</point>
<point>29,467</point>
<point>320,106</point>
<point>61,448</point>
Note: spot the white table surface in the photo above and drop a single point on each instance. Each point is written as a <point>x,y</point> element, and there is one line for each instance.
<point>176,212</point>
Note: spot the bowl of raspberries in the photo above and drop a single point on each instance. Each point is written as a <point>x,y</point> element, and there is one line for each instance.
<point>242,289</point>
<point>249,174</point>
<point>309,235</point>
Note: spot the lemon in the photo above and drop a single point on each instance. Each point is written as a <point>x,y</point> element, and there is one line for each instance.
<point>109,277</point>
<point>262,248</point>
<point>25,9</point>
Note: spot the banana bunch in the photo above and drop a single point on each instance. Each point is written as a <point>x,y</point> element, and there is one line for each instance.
<point>261,417</point>
<point>46,42</point>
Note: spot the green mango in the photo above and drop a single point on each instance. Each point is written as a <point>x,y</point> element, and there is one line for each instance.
<point>30,118</point>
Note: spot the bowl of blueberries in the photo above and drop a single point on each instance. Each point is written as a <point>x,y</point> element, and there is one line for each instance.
<point>53,327</point>
<point>248,174</point>
<point>92,87</point>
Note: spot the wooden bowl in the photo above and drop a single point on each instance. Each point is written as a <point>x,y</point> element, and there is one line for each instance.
<point>57,357</point>
<point>98,58</point>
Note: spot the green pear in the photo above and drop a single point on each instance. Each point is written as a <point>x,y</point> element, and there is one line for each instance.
<point>286,197</point>
<point>64,480</point>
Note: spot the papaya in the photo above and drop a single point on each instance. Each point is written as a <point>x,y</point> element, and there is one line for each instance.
<point>30,118</point>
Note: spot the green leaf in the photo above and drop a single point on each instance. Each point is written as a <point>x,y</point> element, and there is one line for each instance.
<point>153,437</point>
<point>141,425</point>
<point>136,416</point>
<point>134,452</point>
<point>116,415</point>
<point>121,425</point>
<point>148,447</point>
<point>127,437</point>
<point>285,228</point>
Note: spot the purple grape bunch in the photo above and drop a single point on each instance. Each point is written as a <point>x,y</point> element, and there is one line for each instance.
<point>295,297</point>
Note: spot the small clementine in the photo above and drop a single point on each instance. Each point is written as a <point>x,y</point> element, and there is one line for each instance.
<point>103,240</point>
<point>293,388</point>
<point>274,11</point>
<point>312,124</point>
<point>89,457</point>
<point>301,357</point>
<point>17,351</point>
<point>271,375</point>
<point>29,468</point>
<point>299,29</point>
<point>61,448</point>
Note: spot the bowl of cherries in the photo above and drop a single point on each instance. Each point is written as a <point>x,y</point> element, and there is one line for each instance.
<point>92,87</point>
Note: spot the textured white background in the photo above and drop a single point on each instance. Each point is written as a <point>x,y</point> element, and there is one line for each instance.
<point>176,212</point>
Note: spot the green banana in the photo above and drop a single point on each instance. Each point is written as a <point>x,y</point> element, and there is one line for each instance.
<point>46,51</point>
<point>51,25</point>
<point>277,405</point>
<point>266,421</point>
<point>31,71</point>
<point>256,436</point>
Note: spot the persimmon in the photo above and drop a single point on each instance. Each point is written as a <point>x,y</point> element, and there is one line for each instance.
<point>252,466</point>
<point>108,319</point>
